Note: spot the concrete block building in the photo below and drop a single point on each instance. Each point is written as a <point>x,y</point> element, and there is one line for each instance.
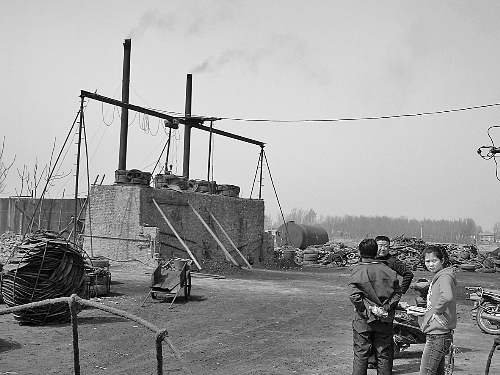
<point>123,223</point>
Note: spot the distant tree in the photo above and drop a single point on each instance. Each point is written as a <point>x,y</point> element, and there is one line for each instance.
<point>309,217</point>
<point>496,230</point>
<point>357,227</point>
<point>268,222</point>
<point>297,215</point>
<point>4,167</point>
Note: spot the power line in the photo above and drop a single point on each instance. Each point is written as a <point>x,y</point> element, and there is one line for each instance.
<point>338,119</point>
<point>370,117</point>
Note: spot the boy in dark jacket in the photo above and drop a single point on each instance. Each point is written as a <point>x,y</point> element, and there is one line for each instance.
<point>375,293</point>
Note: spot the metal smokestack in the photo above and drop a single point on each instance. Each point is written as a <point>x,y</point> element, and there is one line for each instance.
<point>122,156</point>
<point>187,128</point>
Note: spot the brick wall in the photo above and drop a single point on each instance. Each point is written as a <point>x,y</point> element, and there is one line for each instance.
<point>126,224</point>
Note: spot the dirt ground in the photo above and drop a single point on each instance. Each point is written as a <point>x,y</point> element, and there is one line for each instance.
<point>252,322</point>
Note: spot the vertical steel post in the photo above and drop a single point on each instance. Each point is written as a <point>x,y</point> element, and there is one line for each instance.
<point>168,150</point>
<point>122,157</point>
<point>80,126</point>
<point>210,157</point>
<point>261,165</point>
<point>187,128</point>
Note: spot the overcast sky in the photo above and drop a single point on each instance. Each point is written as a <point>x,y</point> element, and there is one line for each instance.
<point>274,60</point>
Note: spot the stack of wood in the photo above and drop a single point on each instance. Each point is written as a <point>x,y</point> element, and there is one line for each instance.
<point>43,266</point>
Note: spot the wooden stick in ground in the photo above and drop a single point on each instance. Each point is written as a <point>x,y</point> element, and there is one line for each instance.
<point>232,243</point>
<point>177,235</point>
<point>214,236</point>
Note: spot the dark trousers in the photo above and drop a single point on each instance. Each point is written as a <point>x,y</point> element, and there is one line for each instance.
<point>376,335</point>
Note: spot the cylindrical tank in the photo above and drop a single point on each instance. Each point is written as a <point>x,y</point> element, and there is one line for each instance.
<point>300,235</point>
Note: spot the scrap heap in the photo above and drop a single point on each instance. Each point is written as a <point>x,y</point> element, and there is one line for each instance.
<point>406,249</point>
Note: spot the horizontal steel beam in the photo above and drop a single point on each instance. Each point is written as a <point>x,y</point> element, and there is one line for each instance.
<point>172,121</point>
<point>195,124</point>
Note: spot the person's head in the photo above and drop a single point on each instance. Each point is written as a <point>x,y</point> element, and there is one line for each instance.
<point>435,258</point>
<point>368,248</point>
<point>383,243</point>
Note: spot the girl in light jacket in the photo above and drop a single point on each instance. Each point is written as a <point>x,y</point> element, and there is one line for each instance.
<point>440,318</point>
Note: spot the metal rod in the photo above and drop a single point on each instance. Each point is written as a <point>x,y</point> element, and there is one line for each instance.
<point>229,239</point>
<point>168,150</point>
<point>80,125</point>
<point>228,256</point>
<point>209,157</point>
<point>261,164</point>
<point>177,235</point>
<point>187,127</point>
<point>195,124</point>
<point>87,201</point>
<point>132,107</point>
<point>122,157</point>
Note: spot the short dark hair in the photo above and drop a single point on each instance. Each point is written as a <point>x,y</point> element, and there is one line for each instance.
<point>439,252</point>
<point>382,238</point>
<point>368,248</point>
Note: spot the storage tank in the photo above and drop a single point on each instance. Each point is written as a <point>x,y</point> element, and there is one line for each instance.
<point>300,235</point>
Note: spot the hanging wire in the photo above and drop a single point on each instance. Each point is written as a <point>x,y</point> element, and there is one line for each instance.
<point>275,193</point>
<point>52,172</point>
<point>255,176</point>
<point>102,114</point>
<point>159,157</point>
<point>345,118</point>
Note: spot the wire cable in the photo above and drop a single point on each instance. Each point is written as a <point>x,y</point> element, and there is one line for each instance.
<point>345,118</point>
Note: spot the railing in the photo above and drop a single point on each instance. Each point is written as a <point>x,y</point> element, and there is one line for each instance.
<point>160,334</point>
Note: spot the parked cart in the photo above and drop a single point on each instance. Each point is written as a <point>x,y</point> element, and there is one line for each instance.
<point>168,280</point>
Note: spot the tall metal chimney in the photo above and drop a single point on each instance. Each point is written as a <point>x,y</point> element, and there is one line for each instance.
<point>122,157</point>
<point>187,128</point>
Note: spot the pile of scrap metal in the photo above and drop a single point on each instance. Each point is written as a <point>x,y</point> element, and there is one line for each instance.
<point>8,241</point>
<point>43,266</point>
<point>406,249</point>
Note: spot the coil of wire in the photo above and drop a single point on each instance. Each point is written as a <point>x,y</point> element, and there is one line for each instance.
<point>43,266</point>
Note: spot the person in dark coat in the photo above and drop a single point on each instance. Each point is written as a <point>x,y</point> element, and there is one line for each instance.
<point>383,243</point>
<point>375,293</point>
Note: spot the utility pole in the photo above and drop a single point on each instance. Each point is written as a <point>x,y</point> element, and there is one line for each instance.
<point>187,127</point>
<point>122,157</point>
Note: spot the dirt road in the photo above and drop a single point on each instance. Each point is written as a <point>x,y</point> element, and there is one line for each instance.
<point>252,322</point>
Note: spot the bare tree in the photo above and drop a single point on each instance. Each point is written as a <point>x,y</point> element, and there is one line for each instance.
<point>4,168</point>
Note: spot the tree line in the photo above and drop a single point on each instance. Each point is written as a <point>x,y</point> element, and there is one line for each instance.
<point>357,227</point>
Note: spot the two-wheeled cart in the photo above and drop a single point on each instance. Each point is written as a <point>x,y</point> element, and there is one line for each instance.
<point>168,280</point>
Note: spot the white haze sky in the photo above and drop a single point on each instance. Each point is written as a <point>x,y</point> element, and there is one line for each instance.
<point>284,60</point>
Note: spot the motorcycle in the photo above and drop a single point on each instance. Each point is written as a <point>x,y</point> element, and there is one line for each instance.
<point>405,325</point>
<point>486,308</point>
<point>406,330</point>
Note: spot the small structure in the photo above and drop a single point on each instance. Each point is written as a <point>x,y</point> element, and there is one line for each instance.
<point>486,238</point>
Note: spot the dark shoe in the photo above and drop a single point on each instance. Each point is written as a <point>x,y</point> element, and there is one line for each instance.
<point>372,365</point>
